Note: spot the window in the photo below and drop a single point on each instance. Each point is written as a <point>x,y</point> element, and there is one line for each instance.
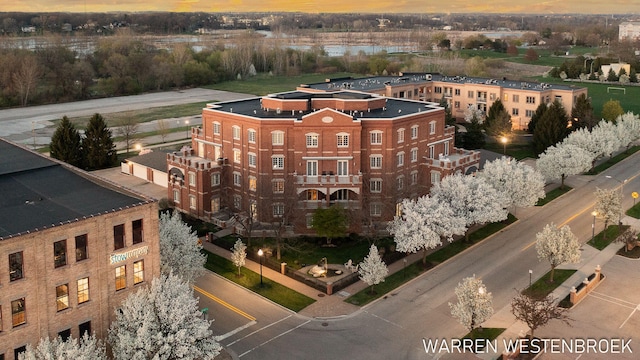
<point>530,100</point>
<point>215,205</point>
<point>529,113</point>
<point>137,231</point>
<point>18,351</point>
<point>237,179</point>
<point>516,98</point>
<point>446,148</point>
<point>81,247</point>
<point>456,104</point>
<point>312,140</point>
<point>138,272</point>
<point>277,162</point>
<point>313,195</point>
<point>60,253</point>
<point>15,266</point>
<point>85,327</point>
<point>400,159</point>
<point>343,140</point>
<point>435,177</point>
<point>118,237</point>
<point>253,183</point>
<point>237,156</point>
<point>414,177</point>
<point>456,92</point>
<point>64,335</point>
<point>437,90</point>
<point>375,185</point>
<point>235,132</point>
<point>375,209</point>
<point>83,290</point>
<point>277,138</point>
<point>414,132</point>
<point>312,167</point>
<point>278,186</point>
<point>376,137</point>
<point>340,195</point>
<point>515,111</point>
<point>278,210</point>
<point>18,316</point>
<point>192,202</point>
<point>343,168</point>
<point>1,356</point>
<point>375,161</point>
<point>237,202</point>
<point>432,127</point>
<point>216,128</point>
<point>252,160</point>
<point>414,154</point>
<point>251,136</point>
<point>400,182</point>
<point>62,297</point>
<point>121,277</point>
<point>400,135</point>
<point>192,179</point>
<point>470,94</point>
<point>176,196</point>
<point>431,151</point>
<point>215,179</point>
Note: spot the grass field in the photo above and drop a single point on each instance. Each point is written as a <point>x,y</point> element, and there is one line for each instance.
<point>264,84</point>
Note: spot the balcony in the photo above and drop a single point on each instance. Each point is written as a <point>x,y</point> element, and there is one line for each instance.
<point>328,179</point>
<point>459,159</point>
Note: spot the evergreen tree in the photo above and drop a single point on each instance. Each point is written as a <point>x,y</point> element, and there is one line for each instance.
<point>99,150</point>
<point>498,121</point>
<point>448,117</point>
<point>540,110</point>
<point>612,76</point>
<point>583,113</point>
<point>473,138</point>
<point>551,128</point>
<point>66,143</point>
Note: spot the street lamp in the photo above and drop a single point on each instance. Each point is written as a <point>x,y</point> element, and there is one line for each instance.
<point>504,145</point>
<point>593,226</point>
<point>260,253</point>
<point>187,131</point>
<point>530,274</point>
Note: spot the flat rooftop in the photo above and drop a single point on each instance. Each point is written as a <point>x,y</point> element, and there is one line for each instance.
<point>37,192</point>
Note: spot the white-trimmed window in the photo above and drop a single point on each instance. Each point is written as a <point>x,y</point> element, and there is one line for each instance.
<point>530,100</point>
<point>237,202</point>
<point>138,272</point>
<point>343,140</point>
<point>432,127</point>
<point>277,137</point>
<point>176,196</point>
<point>278,186</point>
<point>253,183</point>
<point>192,179</point>
<point>400,182</point>
<point>432,150</point>
<point>528,113</point>
<point>235,132</point>
<point>215,179</point>
<point>400,136</point>
<point>446,148</point>
<point>375,185</point>
<point>237,179</point>
<point>414,177</point>
<point>375,209</point>
<point>278,210</point>
<point>277,162</point>
<point>516,98</point>
<point>192,201</point>
<point>400,158</point>
<point>435,177</point>
<point>376,137</point>
<point>312,167</point>
<point>237,156</point>
<point>216,128</point>
<point>312,140</point>
<point>251,136</point>
<point>252,160</point>
<point>414,132</point>
<point>375,161</point>
<point>515,111</point>
<point>414,155</point>
<point>343,167</point>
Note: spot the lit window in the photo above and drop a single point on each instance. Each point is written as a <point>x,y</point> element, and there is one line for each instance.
<point>62,297</point>
<point>176,196</point>
<point>252,160</point>
<point>192,201</point>
<point>375,161</point>
<point>400,159</point>
<point>414,155</point>
<point>216,128</point>
<point>138,272</point>
<point>277,138</point>
<point>375,209</point>
<point>83,290</point>
<point>343,140</point>
<point>278,186</point>
<point>277,162</point>
<point>81,247</point>
<point>251,136</point>
<point>312,140</point>
<point>400,135</point>
<point>215,205</point>
<point>237,156</point>
<point>121,277</point>
<point>376,137</point>
<point>432,127</point>
<point>278,210</point>
<point>237,179</point>
<point>192,179</point>
<point>118,237</point>
<point>60,253</point>
<point>15,266</point>
<point>235,130</point>
<point>414,132</point>
<point>215,179</point>
<point>253,183</point>
<point>18,316</point>
<point>375,185</point>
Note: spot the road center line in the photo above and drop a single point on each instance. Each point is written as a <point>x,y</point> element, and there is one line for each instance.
<point>383,319</point>
<point>262,328</point>
<point>224,303</point>
<point>273,338</point>
<point>564,223</point>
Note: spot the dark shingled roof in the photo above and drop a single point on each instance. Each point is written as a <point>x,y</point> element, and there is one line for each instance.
<point>156,160</point>
<point>36,192</point>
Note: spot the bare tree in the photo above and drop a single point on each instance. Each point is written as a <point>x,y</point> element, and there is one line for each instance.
<point>26,77</point>
<point>537,312</point>
<point>163,128</point>
<point>128,129</point>
<point>629,238</point>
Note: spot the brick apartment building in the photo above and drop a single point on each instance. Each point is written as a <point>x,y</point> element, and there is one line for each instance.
<point>72,247</point>
<point>290,153</point>
<point>520,98</point>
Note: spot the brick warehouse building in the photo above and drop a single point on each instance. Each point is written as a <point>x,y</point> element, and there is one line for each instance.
<point>72,247</point>
<point>286,154</point>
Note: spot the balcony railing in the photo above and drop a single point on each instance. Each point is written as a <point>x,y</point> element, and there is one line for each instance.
<point>328,179</point>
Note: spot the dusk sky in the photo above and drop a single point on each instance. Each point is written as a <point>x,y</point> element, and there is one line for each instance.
<point>339,6</point>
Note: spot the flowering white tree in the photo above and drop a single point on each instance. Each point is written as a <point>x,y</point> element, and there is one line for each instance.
<point>518,182</point>
<point>608,207</point>
<point>471,199</point>
<point>558,162</point>
<point>423,224</point>
<point>471,114</point>
<point>587,140</point>
<point>628,126</point>
<point>180,251</point>
<point>557,246</point>
<point>474,304</point>
<point>88,348</point>
<point>239,254</point>
<point>606,135</point>
<point>372,269</point>
<point>162,322</point>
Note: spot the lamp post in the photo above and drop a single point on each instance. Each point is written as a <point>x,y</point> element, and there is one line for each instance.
<point>187,131</point>
<point>504,145</point>
<point>593,225</point>
<point>260,253</point>
<point>530,274</point>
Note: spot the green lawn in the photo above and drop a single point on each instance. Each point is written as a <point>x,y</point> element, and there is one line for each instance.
<point>553,194</point>
<point>264,84</point>
<point>612,161</point>
<point>488,334</point>
<point>543,287</point>
<point>634,211</point>
<point>273,291</point>
<point>604,238</point>
<point>517,151</point>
